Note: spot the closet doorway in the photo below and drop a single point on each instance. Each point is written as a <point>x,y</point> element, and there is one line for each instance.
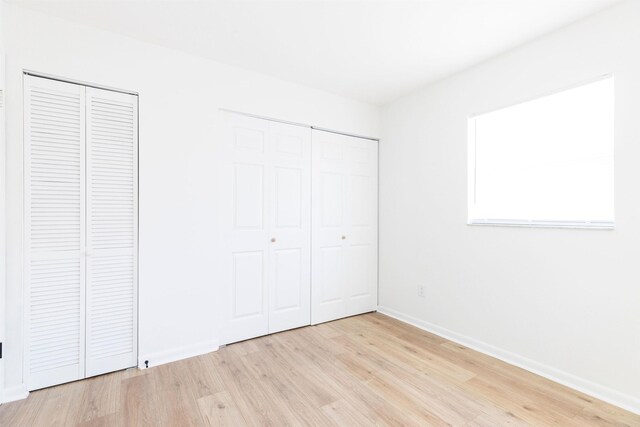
<point>299,215</point>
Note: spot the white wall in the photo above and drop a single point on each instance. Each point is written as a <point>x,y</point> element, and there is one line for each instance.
<point>2,206</point>
<point>179,99</point>
<point>563,302</point>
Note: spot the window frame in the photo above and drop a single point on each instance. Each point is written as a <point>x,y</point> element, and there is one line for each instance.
<point>525,222</point>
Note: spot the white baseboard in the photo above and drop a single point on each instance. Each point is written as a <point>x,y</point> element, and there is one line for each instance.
<point>583,385</point>
<point>168,356</point>
<point>11,394</point>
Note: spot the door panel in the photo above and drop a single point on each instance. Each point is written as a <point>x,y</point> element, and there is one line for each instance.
<point>330,296</point>
<point>112,215</point>
<point>362,199</point>
<point>248,284</point>
<point>248,190</point>
<point>332,198</point>
<point>362,235</point>
<point>344,260</point>
<point>54,231</point>
<point>362,296</point>
<point>290,226</point>
<point>248,140</point>
<point>288,279</point>
<point>80,231</point>
<point>329,224</point>
<point>244,236</point>
<point>267,231</point>
<point>288,198</point>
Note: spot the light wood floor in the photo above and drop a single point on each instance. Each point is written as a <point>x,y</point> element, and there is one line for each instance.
<point>364,370</point>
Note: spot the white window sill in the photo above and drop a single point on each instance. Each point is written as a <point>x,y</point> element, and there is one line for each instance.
<point>595,225</point>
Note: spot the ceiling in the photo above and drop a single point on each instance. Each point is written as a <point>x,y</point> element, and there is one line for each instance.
<point>370,50</point>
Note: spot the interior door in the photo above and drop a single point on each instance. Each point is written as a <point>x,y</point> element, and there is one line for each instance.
<point>362,226</point>
<point>80,271</point>
<point>54,185</point>
<point>344,226</point>
<point>289,223</point>
<point>330,226</point>
<point>245,235</point>
<point>266,181</point>
<point>112,193</point>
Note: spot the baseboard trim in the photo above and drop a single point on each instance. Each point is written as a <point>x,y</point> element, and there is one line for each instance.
<point>173,355</point>
<point>11,394</point>
<point>598,391</point>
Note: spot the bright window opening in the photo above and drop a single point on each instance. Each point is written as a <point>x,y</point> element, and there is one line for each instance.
<point>546,162</point>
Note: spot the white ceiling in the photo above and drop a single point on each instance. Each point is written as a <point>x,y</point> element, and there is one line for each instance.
<point>374,51</point>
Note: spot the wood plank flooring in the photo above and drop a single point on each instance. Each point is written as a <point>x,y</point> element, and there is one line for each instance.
<point>361,371</point>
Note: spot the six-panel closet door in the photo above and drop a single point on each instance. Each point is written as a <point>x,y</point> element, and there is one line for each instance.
<point>80,231</point>
<point>345,226</point>
<point>266,219</point>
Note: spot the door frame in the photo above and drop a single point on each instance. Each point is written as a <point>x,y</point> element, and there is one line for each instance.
<point>288,122</point>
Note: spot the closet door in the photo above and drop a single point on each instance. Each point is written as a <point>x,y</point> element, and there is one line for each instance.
<point>289,223</point>
<point>362,227</point>
<point>266,183</point>
<point>245,234</point>
<point>54,204</point>
<point>330,217</point>
<point>345,226</point>
<point>112,193</point>
<point>80,231</point>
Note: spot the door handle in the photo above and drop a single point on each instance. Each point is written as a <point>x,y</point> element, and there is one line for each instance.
<point>344,237</point>
<point>273,240</point>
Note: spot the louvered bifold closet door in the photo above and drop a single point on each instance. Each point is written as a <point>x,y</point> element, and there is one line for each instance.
<point>54,127</point>
<point>112,186</point>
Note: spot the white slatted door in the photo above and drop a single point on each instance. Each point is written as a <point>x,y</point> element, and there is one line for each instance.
<point>112,187</point>
<point>329,224</point>
<point>344,226</point>
<point>245,235</point>
<point>289,224</point>
<point>54,125</point>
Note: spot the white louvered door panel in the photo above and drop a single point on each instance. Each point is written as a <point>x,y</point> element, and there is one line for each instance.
<point>112,187</point>
<point>54,231</point>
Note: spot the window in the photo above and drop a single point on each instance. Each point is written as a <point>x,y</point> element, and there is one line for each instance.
<point>546,162</point>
